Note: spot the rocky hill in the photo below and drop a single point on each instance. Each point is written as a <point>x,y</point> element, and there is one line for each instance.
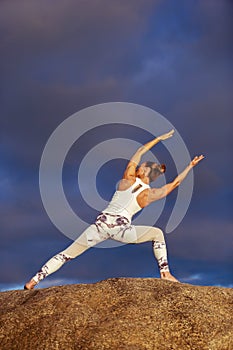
<point>118,314</point>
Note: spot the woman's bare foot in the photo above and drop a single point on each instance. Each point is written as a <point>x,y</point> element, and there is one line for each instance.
<point>30,285</point>
<point>168,276</point>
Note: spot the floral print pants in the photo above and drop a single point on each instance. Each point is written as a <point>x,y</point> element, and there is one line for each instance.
<point>109,226</point>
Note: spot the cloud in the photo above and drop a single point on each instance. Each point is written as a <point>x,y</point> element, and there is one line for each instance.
<point>203,240</point>
<point>68,57</point>
<point>58,71</point>
<point>81,32</point>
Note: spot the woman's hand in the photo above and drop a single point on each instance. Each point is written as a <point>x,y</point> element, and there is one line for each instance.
<point>167,135</point>
<point>196,160</point>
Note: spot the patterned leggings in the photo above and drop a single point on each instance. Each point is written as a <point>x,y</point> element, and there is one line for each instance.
<point>108,226</point>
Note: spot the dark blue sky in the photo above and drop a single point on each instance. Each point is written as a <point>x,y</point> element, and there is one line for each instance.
<point>60,57</point>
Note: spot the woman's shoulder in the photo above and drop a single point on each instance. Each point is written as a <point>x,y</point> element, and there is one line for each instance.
<point>125,184</point>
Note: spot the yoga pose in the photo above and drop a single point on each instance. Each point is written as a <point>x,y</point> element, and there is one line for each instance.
<point>133,194</point>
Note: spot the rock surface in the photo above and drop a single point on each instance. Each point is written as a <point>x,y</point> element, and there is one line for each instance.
<point>118,314</point>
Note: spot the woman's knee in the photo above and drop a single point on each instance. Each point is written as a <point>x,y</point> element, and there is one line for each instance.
<point>146,233</point>
<point>75,249</point>
<point>157,234</point>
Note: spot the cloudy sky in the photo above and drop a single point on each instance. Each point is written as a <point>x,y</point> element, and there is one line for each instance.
<point>59,57</point>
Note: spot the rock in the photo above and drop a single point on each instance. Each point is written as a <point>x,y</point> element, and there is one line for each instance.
<point>118,314</point>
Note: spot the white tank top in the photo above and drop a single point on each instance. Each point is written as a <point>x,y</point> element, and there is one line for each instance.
<point>125,202</point>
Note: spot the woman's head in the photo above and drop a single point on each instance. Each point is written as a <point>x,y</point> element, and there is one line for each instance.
<point>152,170</point>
